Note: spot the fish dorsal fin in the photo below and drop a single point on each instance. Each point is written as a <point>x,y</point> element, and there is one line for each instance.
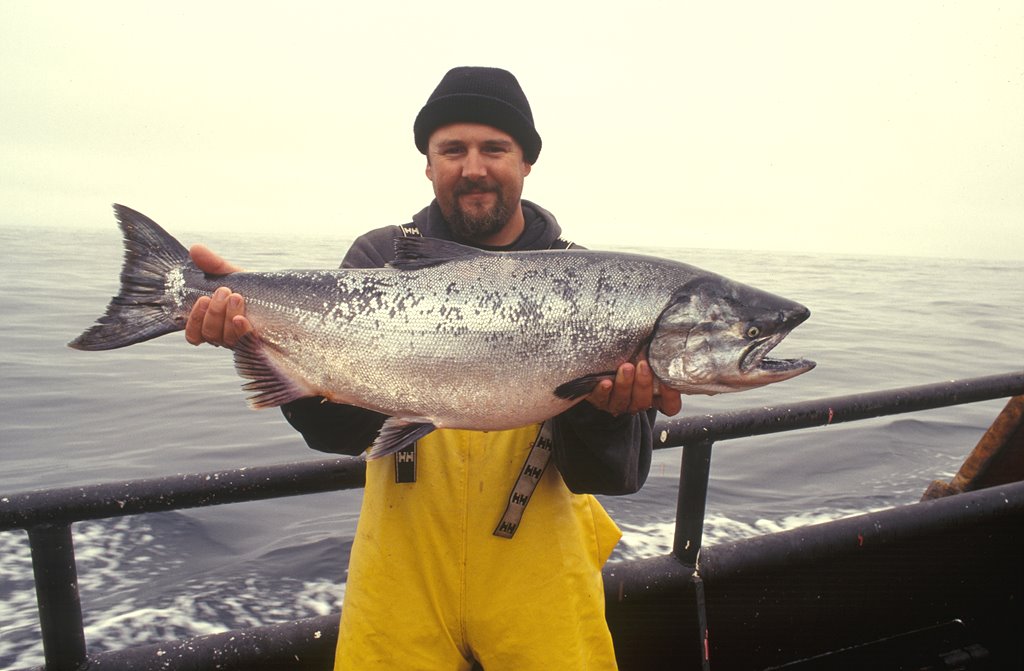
<point>412,253</point>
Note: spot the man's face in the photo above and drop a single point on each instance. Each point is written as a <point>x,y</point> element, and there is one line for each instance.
<point>477,172</point>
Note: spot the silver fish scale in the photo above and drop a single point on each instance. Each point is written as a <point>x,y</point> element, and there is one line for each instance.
<point>479,342</point>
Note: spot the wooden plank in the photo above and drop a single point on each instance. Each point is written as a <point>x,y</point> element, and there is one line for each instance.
<point>997,459</point>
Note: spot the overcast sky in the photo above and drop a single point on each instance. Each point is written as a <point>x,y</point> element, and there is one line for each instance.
<point>866,127</point>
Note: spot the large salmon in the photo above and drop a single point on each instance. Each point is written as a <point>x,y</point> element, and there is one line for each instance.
<point>455,337</point>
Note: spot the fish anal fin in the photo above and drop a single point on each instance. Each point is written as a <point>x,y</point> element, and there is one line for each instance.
<point>397,434</point>
<point>581,386</point>
<point>412,253</point>
<point>272,384</point>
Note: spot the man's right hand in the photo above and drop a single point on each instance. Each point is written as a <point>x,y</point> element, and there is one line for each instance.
<point>218,319</point>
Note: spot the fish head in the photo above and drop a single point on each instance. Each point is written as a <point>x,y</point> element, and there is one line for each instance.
<point>715,334</point>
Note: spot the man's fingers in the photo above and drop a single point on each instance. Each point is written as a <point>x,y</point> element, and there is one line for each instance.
<point>634,389</point>
<point>210,262</point>
<point>668,401</point>
<point>213,322</point>
<point>242,325</point>
<point>218,319</point>
<point>194,325</point>
<point>599,396</point>
<point>212,318</point>
<point>234,307</point>
<point>642,397</point>
<point>622,392</point>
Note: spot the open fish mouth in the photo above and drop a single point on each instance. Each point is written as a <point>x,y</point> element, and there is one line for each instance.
<point>755,360</point>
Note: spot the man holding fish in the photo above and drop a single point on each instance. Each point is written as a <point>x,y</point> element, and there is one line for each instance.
<point>471,547</point>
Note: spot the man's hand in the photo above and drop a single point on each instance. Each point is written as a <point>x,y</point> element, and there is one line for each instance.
<point>634,390</point>
<point>218,319</point>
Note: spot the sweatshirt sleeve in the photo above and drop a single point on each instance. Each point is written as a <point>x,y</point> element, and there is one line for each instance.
<point>598,453</point>
<point>332,427</point>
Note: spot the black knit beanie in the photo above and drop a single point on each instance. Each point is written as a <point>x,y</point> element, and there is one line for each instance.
<point>490,96</point>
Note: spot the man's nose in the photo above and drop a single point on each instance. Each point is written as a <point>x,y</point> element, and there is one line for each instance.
<point>473,166</point>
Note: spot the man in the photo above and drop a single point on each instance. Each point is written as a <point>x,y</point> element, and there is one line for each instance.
<point>449,565</point>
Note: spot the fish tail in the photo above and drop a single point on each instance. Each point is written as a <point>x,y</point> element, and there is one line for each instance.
<point>150,302</point>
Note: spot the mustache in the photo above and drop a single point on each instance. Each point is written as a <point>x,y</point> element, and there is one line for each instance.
<point>475,186</point>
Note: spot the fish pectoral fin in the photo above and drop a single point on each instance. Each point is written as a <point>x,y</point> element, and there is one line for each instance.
<point>581,386</point>
<point>273,386</point>
<point>397,434</point>
<point>413,253</point>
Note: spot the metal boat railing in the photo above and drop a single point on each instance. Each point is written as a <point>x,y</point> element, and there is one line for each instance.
<point>47,516</point>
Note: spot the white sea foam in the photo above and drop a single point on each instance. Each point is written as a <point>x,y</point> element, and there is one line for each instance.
<point>642,541</point>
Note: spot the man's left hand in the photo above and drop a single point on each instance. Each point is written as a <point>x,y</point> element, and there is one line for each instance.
<point>634,390</point>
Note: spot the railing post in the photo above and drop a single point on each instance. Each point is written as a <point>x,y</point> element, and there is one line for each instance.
<point>60,610</point>
<point>693,494</point>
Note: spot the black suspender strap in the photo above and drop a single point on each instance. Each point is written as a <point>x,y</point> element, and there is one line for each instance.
<point>533,468</point>
<point>405,458</point>
<point>405,464</point>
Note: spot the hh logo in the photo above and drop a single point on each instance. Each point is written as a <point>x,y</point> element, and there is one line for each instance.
<point>532,472</point>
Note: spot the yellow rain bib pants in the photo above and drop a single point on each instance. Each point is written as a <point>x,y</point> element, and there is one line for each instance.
<point>431,588</point>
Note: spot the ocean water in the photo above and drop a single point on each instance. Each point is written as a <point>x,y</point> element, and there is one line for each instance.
<point>164,407</point>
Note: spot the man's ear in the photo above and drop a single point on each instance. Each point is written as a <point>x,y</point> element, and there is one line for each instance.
<point>429,171</point>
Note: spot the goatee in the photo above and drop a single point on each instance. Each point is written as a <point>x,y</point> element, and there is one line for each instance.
<point>482,225</point>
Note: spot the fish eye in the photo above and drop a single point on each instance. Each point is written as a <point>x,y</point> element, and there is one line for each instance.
<point>753,331</point>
